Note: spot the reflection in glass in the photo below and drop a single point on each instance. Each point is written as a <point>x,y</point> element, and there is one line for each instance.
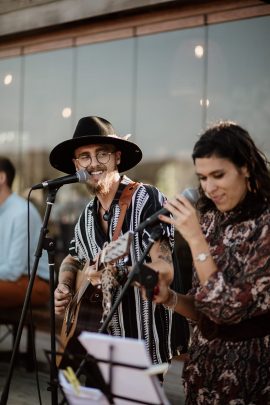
<point>204,103</point>
<point>199,51</point>
<point>8,79</point>
<point>66,112</point>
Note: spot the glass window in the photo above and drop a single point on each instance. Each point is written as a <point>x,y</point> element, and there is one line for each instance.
<point>238,75</point>
<point>160,88</point>
<point>11,134</point>
<point>169,108</point>
<point>47,107</point>
<point>48,103</point>
<point>169,90</point>
<point>105,82</point>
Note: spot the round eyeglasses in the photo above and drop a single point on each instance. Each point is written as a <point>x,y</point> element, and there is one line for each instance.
<point>86,160</point>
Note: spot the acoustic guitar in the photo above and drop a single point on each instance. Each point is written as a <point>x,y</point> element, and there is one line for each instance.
<point>84,311</point>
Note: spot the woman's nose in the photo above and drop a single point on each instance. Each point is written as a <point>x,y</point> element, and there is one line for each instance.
<point>209,186</point>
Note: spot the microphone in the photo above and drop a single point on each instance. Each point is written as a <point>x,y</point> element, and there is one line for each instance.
<point>192,194</point>
<point>81,176</point>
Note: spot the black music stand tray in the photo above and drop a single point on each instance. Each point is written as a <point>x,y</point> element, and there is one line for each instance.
<point>129,376</point>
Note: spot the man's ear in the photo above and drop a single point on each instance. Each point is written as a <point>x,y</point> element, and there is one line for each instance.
<point>76,164</point>
<point>3,178</point>
<point>118,157</point>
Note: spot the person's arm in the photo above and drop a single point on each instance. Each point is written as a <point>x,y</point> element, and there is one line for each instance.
<point>241,290</point>
<point>66,282</point>
<point>14,247</point>
<point>186,221</point>
<point>180,303</point>
<point>227,300</point>
<point>162,262</point>
<point>161,259</point>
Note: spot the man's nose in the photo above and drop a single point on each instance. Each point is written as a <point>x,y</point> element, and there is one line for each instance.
<point>93,161</point>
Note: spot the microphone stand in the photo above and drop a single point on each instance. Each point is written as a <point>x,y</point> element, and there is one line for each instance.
<point>46,244</point>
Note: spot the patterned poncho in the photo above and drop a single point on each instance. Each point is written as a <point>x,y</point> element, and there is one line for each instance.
<point>135,317</point>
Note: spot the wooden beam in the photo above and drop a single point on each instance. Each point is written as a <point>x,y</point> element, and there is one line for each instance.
<point>113,28</point>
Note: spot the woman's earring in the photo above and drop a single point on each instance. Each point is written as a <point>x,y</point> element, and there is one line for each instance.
<point>248,183</point>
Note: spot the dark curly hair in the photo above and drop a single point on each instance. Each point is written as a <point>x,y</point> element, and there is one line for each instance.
<point>230,141</point>
<point>7,167</point>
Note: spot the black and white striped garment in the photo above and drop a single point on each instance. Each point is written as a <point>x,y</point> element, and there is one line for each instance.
<point>134,317</point>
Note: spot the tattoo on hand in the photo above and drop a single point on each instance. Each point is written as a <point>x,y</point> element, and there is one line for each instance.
<point>165,252</point>
<point>73,267</point>
<point>67,283</point>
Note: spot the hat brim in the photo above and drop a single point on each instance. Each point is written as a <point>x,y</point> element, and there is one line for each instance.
<point>61,156</point>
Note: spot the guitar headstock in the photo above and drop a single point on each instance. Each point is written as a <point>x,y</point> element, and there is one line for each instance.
<point>116,249</point>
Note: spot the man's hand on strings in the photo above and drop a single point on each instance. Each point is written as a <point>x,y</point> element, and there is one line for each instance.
<point>93,274</point>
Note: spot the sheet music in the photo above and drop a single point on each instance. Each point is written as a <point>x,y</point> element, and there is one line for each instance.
<point>130,377</point>
<point>87,396</point>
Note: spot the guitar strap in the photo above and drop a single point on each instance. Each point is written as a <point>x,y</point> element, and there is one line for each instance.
<point>124,202</point>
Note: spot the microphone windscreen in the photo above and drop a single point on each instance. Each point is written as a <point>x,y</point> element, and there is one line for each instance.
<point>82,175</point>
<point>192,194</point>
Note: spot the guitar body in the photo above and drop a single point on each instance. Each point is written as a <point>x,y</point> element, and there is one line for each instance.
<point>85,310</point>
<point>80,316</point>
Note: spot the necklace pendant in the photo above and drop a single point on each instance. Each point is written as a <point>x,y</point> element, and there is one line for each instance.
<point>106,215</point>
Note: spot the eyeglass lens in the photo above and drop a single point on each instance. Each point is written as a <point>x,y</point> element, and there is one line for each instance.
<point>102,157</point>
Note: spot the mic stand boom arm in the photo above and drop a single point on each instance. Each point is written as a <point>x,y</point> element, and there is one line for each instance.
<point>46,244</point>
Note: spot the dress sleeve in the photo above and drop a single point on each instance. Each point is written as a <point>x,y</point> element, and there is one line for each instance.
<point>240,288</point>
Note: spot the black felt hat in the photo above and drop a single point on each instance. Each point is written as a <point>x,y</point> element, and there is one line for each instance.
<point>94,130</point>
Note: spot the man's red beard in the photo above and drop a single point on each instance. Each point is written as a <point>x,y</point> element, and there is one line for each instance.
<point>104,184</point>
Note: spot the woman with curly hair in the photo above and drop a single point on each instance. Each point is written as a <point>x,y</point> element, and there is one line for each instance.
<point>229,237</point>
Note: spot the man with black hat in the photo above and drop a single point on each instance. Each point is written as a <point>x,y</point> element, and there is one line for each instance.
<point>97,148</point>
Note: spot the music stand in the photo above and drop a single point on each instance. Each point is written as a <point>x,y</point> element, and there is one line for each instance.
<point>126,369</point>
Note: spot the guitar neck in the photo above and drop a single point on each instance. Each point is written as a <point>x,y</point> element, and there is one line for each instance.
<point>85,284</point>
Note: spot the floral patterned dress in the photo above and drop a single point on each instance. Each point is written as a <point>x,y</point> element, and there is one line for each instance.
<point>227,372</point>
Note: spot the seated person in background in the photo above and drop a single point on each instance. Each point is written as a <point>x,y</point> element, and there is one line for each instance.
<point>14,245</point>
<point>229,354</point>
